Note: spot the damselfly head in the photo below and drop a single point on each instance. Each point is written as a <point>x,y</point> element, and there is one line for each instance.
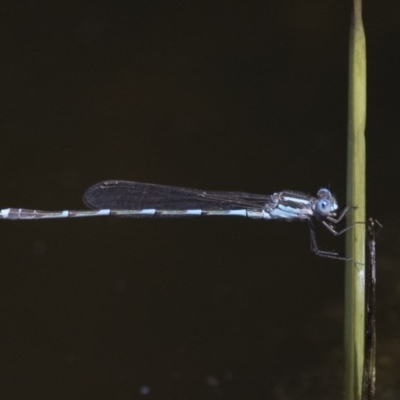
<point>326,204</point>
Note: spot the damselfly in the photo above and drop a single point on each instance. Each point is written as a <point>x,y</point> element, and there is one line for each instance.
<point>134,199</point>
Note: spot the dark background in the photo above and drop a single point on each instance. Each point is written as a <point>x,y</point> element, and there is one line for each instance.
<point>248,96</point>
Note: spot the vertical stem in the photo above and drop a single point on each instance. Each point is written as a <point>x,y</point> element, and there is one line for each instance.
<point>369,376</point>
<point>355,240</point>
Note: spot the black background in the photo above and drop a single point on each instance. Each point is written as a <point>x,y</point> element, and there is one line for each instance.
<point>248,96</point>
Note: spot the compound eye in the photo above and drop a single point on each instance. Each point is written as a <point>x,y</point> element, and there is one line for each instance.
<point>323,193</point>
<point>323,207</point>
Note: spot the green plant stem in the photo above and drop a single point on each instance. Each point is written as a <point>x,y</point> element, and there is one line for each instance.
<point>355,239</point>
